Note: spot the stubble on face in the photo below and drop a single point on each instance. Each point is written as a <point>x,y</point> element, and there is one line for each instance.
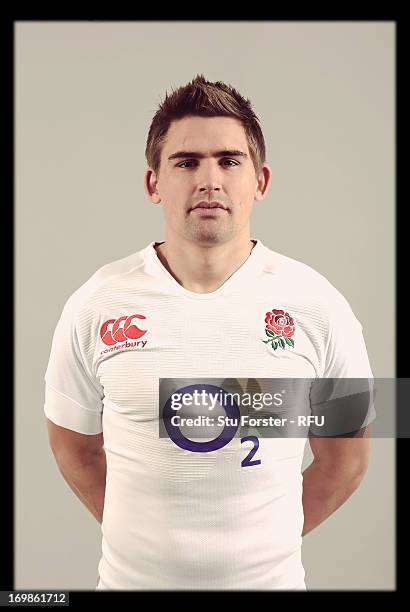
<point>194,134</point>
<point>209,230</point>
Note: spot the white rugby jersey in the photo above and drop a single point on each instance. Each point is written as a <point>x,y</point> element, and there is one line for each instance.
<point>175,519</point>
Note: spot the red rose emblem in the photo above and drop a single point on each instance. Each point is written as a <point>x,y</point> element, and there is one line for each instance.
<point>280,322</point>
<point>279,329</point>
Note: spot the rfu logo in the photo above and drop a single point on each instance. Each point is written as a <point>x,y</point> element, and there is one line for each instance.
<point>121,329</point>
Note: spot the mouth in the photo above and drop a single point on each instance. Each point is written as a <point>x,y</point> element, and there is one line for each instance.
<point>209,207</point>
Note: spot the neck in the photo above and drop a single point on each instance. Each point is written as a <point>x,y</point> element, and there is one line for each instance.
<point>203,268</point>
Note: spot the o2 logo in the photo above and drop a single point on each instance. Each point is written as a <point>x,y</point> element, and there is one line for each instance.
<point>247,461</point>
<point>228,433</point>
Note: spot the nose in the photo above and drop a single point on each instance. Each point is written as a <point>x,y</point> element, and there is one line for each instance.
<point>209,177</point>
<point>209,188</point>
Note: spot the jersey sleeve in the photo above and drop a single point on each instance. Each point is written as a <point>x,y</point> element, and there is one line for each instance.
<point>73,395</point>
<point>344,394</point>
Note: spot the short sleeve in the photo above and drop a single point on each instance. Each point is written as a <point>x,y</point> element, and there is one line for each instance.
<point>345,355</point>
<point>73,395</point>
<point>344,394</point>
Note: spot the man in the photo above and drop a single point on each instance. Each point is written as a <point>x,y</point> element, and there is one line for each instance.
<point>211,302</point>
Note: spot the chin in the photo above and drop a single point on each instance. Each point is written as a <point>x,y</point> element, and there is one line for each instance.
<point>208,234</point>
<point>211,237</point>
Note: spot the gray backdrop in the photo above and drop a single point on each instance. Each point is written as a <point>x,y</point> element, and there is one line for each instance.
<point>85,96</point>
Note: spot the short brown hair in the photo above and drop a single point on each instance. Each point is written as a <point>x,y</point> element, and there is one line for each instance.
<point>204,99</point>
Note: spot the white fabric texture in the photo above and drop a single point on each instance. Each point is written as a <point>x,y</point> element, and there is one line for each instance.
<point>175,519</point>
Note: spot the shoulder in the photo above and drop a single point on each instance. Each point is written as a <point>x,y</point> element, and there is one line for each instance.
<point>306,285</point>
<point>100,280</point>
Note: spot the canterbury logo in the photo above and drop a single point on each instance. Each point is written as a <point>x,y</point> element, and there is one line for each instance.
<point>122,329</point>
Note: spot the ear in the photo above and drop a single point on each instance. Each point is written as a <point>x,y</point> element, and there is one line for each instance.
<point>263,182</point>
<point>150,186</point>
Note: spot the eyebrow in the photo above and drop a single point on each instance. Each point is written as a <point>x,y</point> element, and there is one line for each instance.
<point>226,153</point>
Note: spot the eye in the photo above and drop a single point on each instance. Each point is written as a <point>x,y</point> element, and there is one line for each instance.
<point>185,162</point>
<point>190,161</point>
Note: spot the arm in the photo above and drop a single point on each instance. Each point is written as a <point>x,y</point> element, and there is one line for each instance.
<point>336,471</point>
<point>82,463</point>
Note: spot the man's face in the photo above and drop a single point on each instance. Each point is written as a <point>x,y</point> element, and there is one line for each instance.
<point>201,161</point>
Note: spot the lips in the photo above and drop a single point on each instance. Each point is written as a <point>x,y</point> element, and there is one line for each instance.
<point>213,204</point>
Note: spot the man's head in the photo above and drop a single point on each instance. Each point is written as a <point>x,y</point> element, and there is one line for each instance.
<point>205,145</point>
